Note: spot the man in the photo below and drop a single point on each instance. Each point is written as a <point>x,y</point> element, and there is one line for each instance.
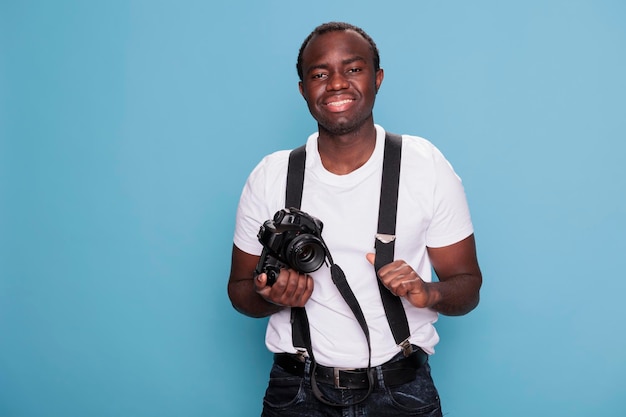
<point>340,74</point>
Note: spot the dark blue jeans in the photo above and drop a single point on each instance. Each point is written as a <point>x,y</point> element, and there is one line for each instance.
<point>288,395</point>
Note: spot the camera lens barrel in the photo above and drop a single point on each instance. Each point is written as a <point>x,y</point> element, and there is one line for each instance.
<point>305,253</point>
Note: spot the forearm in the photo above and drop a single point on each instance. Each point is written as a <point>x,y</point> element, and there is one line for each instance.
<point>241,288</point>
<point>457,291</point>
<point>457,295</point>
<point>247,301</point>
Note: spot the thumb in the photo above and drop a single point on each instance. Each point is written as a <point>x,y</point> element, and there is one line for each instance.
<point>371,258</point>
<point>260,281</point>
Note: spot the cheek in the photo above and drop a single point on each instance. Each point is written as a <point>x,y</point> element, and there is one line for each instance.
<point>306,93</point>
<point>312,96</point>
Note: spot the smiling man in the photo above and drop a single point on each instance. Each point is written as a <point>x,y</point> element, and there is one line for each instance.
<point>352,339</point>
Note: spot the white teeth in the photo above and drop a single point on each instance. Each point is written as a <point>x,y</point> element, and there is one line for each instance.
<point>339,103</point>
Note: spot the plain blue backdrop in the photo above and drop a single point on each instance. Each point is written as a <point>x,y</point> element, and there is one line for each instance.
<point>127,132</point>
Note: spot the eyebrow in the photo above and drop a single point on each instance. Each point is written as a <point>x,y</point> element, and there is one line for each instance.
<point>344,62</point>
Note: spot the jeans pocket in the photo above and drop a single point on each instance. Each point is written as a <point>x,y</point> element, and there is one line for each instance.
<point>418,397</point>
<point>283,390</point>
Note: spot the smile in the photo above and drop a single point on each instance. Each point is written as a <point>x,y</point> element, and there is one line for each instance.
<point>339,103</point>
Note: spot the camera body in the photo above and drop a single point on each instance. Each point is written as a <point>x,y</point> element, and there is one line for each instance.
<point>292,239</point>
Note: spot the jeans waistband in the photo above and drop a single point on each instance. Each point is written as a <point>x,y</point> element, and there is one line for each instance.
<point>395,372</point>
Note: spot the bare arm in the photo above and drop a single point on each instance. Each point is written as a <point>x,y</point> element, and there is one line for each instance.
<point>457,291</point>
<point>252,296</point>
<point>460,279</point>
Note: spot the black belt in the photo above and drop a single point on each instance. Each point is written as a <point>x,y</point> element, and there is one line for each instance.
<point>394,373</point>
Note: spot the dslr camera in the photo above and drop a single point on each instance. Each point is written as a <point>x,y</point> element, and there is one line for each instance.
<point>292,239</point>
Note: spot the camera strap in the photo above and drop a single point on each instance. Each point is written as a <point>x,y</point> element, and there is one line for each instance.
<point>384,244</point>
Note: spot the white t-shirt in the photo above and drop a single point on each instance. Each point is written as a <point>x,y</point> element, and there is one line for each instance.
<point>432,211</point>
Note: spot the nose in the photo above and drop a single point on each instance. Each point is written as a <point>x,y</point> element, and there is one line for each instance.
<point>337,81</point>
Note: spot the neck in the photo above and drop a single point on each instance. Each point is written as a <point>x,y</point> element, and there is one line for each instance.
<point>342,154</point>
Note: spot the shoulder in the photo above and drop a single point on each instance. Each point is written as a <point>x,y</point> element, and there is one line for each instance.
<point>420,155</point>
<point>411,144</point>
<point>271,165</point>
<point>275,164</point>
<point>419,146</point>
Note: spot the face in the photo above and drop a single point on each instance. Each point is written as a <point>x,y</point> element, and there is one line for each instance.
<point>339,82</point>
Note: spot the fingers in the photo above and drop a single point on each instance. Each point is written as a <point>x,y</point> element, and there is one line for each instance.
<point>396,276</point>
<point>402,280</point>
<point>399,278</point>
<point>290,289</point>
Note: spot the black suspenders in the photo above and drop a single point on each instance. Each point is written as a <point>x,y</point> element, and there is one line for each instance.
<point>386,238</point>
<point>384,242</point>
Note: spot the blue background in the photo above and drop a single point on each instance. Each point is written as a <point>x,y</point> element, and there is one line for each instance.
<point>128,129</point>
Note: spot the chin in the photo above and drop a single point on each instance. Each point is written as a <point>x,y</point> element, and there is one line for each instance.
<point>339,128</point>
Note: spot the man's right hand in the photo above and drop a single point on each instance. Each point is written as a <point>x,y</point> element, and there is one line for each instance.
<point>291,289</point>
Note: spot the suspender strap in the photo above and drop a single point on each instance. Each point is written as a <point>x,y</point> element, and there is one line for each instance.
<point>384,245</point>
<point>295,177</point>
<point>293,198</point>
<point>386,239</point>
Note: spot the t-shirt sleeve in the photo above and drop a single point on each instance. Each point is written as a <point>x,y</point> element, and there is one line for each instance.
<point>451,221</point>
<point>262,195</point>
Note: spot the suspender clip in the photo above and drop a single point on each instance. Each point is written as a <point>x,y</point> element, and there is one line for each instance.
<point>301,354</point>
<point>406,347</point>
<point>385,238</point>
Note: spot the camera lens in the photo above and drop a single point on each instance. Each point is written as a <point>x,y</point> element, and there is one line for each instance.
<point>305,253</point>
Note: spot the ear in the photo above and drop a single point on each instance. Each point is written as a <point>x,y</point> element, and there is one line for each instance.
<point>380,74</point>
<point>301,89</point>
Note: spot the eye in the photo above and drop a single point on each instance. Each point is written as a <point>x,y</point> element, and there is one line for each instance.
<point>356,69</point>
<point>319,75</point>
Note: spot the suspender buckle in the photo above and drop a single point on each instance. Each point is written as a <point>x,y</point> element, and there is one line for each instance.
<point>406,347</point>
<point>385,238</point>
<point>301,354</point>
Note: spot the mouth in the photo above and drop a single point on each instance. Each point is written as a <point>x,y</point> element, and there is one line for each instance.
<point>339,105</point>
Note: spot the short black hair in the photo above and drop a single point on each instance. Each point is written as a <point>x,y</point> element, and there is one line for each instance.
<point>335,27</point>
